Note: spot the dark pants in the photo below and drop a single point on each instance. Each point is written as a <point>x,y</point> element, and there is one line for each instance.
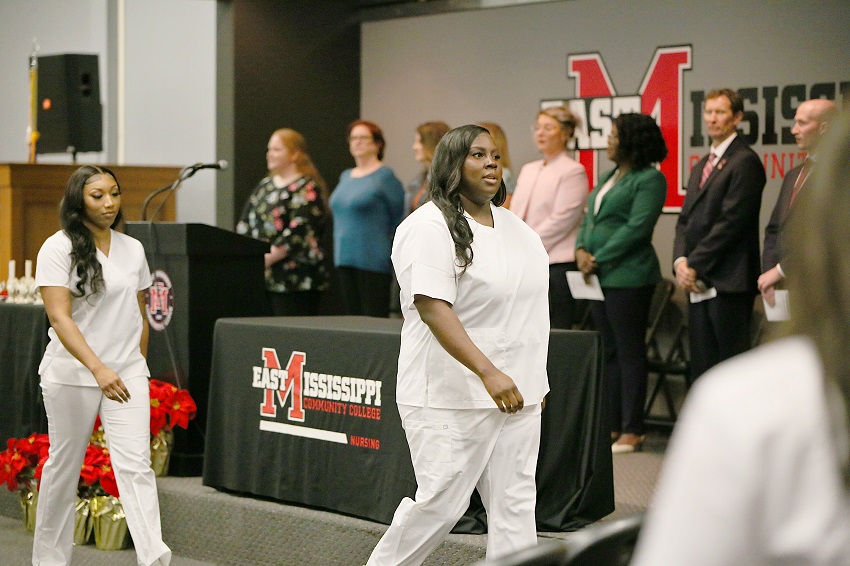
<point>295,303</point>
<point>561,302</point>
<point>365,293</point>
<point>622,319</point>
<point>719,328</point>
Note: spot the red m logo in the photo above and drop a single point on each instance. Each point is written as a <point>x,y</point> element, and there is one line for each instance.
<point>292,385</point>
<point>661,95</point>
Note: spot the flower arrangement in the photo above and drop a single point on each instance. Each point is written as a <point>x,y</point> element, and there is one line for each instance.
<point>22,462</point>
<point>18,463</point>
<point>170,407</point>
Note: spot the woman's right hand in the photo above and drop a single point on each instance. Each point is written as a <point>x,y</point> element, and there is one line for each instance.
<point>276,253</point>
<point>503,390</point>
<point>111,385</point>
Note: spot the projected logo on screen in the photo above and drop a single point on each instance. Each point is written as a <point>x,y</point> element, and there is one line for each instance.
<point>160,301</point>
<point>298,392</point>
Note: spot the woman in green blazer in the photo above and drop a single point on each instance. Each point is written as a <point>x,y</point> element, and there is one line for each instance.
<point>615,243</point>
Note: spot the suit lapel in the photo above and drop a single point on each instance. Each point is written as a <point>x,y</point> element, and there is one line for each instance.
<point>592,205</point>
<point>718,167</point>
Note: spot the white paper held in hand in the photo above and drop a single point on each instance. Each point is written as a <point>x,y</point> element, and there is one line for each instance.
<point>582,289</point>
<point>781,309</point>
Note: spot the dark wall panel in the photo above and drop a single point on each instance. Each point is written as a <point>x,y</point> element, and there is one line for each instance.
<point>296,65</point>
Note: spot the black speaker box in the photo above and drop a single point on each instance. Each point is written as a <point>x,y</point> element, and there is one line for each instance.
<point>70,117</point>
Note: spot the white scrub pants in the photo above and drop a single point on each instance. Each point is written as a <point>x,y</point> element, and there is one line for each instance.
<point>71,412</point>
<point>454,451</point>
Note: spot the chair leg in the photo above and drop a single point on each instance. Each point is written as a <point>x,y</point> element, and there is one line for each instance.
<point>668,398</point>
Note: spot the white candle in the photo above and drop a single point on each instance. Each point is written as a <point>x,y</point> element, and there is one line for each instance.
<point>11,269</point>
<point>27,268</point>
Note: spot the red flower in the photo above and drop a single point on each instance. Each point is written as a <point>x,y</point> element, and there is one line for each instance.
<point>96,471</point>
<point>18,462</point>
<point>161,394</point>
<point>107,480</point>
<point>170,406</point>
<point>183,409</point>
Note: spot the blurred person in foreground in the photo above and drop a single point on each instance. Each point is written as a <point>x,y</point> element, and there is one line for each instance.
<point>550,196</point>
<point>288,209</point>
<point>758,470</point>
<point>615,242</point>
<point>472,364</point>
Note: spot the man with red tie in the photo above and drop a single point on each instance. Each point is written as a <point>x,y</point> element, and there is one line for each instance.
<point>810,124</point>
<point>716,249</point>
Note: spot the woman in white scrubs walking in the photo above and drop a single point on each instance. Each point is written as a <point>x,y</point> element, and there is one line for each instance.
<point>93,281</point>
<point>472,366</point>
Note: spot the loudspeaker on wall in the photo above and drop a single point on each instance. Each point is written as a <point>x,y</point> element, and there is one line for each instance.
<point>70,117</point>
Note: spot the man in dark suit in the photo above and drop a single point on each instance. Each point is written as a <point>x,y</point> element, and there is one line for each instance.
<point>810,124</point>
<point>717,237</point>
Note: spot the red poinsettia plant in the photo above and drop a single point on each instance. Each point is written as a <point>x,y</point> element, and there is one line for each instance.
<point>20,459</point>
<point>170,407</point>
<point>97,475</point>
<point>24,459</point>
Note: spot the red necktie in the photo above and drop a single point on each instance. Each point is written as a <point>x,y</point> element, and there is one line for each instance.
<point>804,172</point>
<point>706,171</point>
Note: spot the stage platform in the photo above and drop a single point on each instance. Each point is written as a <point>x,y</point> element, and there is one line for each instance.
<point>204,526</point>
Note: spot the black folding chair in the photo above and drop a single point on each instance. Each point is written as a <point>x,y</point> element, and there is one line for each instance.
<point>609,543</point>
<point>674,362</point>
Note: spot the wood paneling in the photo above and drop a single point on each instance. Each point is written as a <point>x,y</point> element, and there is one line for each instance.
<point>29,203</point>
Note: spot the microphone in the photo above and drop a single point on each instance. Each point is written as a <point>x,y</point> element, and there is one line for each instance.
<point>221,164</point>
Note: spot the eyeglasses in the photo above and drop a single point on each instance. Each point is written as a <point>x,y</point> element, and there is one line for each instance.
<point>548,128</point>
<point>359,138</point>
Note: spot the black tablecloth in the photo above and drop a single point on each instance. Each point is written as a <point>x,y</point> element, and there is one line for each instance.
<point>349,453</point>
<point>23,338</point>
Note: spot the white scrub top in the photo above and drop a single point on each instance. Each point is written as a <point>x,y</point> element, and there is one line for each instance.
<point>501,300</point>
<point>110,321</point>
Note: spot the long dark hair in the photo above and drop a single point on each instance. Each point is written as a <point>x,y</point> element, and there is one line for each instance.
<point>445,184</point>
<point>72,216</point>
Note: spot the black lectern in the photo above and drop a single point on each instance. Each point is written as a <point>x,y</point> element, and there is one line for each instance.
<point>201,273</point>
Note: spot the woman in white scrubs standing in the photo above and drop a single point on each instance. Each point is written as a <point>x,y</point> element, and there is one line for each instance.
<point>472,366</point>
<point>93,281</point>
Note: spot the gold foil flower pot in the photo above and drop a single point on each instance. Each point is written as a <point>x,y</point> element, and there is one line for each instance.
<point>83,525</point>
<point>29,503</point>
<point>110,524</point>
<point>161,445</point>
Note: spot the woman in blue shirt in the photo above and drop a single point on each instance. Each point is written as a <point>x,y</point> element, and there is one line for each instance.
<point>367,206</point>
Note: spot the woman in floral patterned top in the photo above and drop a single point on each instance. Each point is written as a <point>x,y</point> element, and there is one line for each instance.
<point>288,210</point>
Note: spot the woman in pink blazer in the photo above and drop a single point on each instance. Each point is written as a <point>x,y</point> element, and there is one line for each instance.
<point>550,196</point>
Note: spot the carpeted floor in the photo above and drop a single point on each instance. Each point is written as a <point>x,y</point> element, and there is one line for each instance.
<point>295,535</point>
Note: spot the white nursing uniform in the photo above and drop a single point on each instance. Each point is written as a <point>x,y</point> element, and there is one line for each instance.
<point>112,326</point>
<point>458,438</point>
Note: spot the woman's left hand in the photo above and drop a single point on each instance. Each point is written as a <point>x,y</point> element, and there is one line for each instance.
<point>586,262</point>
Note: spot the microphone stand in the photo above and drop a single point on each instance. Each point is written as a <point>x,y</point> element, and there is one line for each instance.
<point>184,174</point>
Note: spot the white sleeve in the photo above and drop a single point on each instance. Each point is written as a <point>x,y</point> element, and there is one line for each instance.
<point>423,258</point>
<point>145,278</point>
<point>53,264</point>
<point>705,509</point>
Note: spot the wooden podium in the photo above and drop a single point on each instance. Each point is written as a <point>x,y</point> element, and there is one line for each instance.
<point>29,203</point>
